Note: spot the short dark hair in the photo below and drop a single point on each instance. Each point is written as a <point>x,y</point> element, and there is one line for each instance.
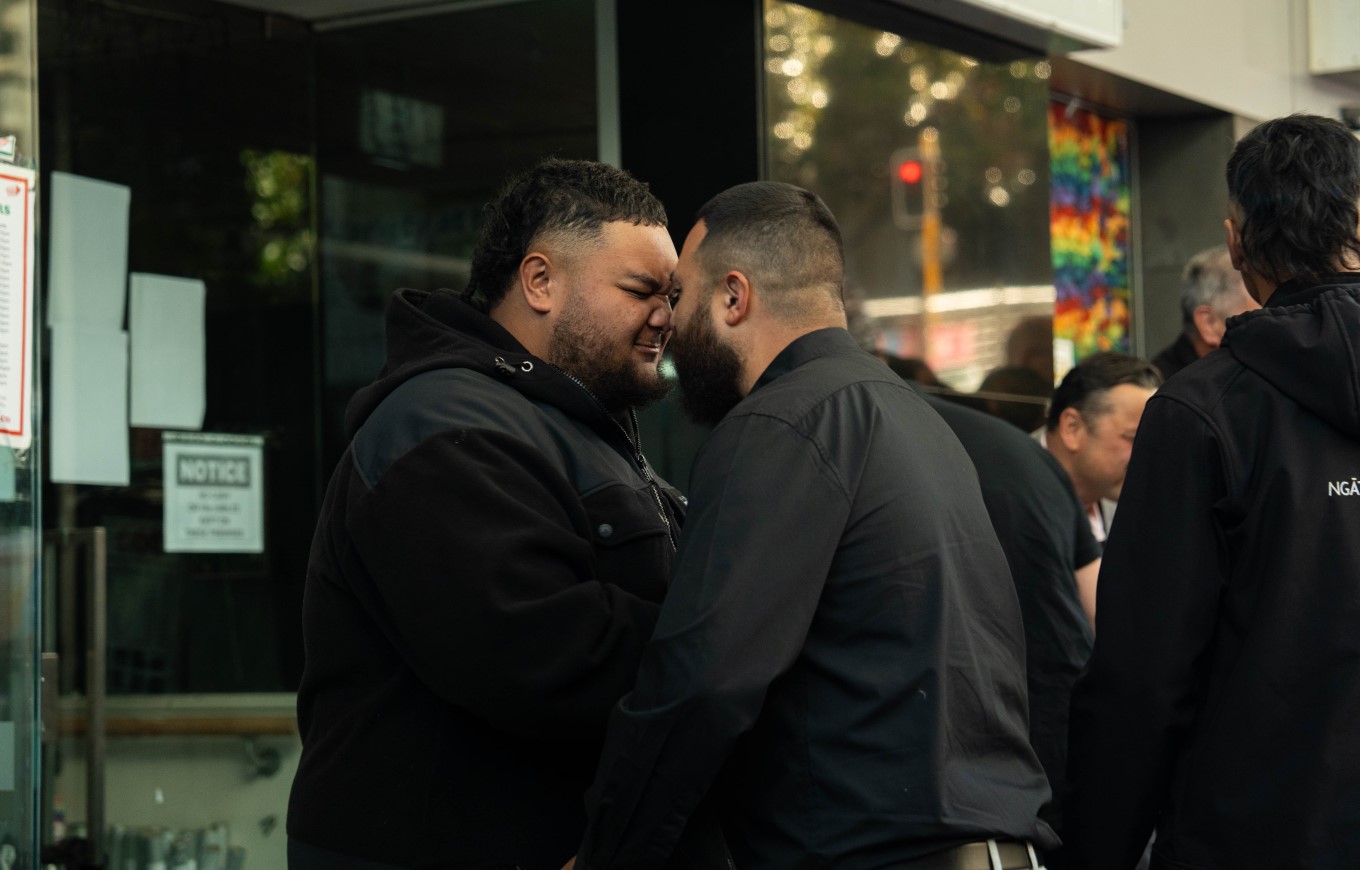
<point>785,238</point>
<point>1086,387</point>
<point>572,197</point>
<point>1296,182</point>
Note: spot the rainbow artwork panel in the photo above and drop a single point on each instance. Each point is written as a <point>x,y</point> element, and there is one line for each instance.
<point>1089,213</point>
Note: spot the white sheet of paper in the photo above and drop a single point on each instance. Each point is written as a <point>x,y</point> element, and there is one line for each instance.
<point>165,322</point>
<point>9,480</point>
<point>17,252</point>
<point>89,406</point>
<point>88,249</point>
<point>214,492</point>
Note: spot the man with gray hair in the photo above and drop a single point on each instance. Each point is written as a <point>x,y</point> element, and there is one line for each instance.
<point>1211,292</point>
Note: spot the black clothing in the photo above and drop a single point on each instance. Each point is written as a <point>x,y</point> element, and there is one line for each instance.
<point>1222,701</point>
<point>1175,356</point>
<point>488,564</point>
<point>1046,536</point>
<point>841,639</point>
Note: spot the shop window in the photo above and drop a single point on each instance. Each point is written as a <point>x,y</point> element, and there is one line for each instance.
<point>936,165</point>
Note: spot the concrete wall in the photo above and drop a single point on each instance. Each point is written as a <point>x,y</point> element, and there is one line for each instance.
<point>1183,198</point>
<point>1245,57</point>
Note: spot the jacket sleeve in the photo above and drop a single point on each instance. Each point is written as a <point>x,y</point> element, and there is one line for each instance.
<point>483,578</point>
<point>741,601</point>
<point>1161,580</point>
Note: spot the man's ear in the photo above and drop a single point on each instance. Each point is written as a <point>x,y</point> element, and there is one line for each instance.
<point>1235,251</point>
<point>536,272</point>
<point>1208,324</point>
<point>1071,429</point>
<point>735,294</point>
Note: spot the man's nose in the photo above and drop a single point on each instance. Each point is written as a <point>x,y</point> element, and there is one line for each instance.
<point>662,315</point>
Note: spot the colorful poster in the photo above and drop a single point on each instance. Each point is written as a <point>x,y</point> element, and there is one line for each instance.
<point>1089,213</point>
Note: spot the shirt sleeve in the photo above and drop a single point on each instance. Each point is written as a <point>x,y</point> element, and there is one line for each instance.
<point>484,578</point>
<point>749,576</point>
<point>1087,548</point>
<point>1161,581</point>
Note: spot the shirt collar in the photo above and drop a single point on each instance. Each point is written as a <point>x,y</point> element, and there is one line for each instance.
<point>806,348</point>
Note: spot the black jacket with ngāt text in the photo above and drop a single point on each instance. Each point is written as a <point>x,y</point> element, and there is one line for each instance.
<point>1222,701</point>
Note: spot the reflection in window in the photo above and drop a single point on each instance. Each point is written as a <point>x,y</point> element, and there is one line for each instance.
<point>936,166</point>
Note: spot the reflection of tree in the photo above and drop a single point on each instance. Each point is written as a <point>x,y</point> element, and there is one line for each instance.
<point>279,183</point>
<point>842,97</point>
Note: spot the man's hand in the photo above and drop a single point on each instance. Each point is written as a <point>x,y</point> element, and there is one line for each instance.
<point>570,864</point>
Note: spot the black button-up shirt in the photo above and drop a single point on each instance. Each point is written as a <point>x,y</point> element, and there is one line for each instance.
<point>840,656</point>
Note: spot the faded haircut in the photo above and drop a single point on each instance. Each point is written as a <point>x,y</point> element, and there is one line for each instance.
<point>782,237</point>
<point>568,200</point>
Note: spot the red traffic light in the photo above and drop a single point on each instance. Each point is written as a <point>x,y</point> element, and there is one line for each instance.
<point>909,171</point>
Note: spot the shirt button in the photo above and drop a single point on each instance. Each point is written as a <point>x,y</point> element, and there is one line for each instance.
<point>605,530</point>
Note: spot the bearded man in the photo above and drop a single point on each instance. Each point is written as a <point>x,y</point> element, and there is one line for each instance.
<point>841,657</point>
<point>493,547</point>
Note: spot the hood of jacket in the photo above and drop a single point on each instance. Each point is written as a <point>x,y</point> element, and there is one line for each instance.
<point>1306,344</point>
<point>436,329</point>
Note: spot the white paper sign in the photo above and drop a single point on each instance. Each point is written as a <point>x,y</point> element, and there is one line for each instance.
<point>87,263</point>
<point>214,493</point>
<point>89,406</point>
<point>16,300</point>
<point>165,319</point>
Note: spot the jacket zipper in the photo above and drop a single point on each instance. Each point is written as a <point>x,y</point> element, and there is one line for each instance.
<point>638,458</point>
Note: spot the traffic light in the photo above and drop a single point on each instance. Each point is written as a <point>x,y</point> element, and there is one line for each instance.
<point>910,176</point>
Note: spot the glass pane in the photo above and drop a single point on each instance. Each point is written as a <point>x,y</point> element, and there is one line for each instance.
<point>420,122</point>
<point>936,165</point>
<point>204,115</point>
<point>19,587</point>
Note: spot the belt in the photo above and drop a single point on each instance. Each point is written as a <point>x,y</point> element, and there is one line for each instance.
<point>983,855</point>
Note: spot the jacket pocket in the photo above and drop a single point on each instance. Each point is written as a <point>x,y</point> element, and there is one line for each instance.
<point>631,542</point>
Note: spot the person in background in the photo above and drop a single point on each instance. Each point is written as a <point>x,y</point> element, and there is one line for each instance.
<point>1030,345</point>
<point>1211,292</point>
<point>1052,555</point>
<point>1005,391</point>
<point>1092,421</point>
<point>1222,698</point>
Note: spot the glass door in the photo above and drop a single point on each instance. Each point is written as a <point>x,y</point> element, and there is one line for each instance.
<point>20,728</point>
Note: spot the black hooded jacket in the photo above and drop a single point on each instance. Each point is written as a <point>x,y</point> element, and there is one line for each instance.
<point>1222,700</point>
<point>487,567</point>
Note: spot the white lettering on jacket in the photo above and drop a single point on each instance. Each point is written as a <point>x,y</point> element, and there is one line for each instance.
<point>1344,487</point>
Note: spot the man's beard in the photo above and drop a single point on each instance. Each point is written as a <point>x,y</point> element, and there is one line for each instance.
<point>584,352</point>
<point>710,371</point>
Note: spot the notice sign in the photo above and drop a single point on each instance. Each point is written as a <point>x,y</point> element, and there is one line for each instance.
<point>214,493</point>
<point>16,299</point>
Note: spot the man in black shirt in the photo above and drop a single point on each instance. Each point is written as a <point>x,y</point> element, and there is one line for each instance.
<point>840,656</point>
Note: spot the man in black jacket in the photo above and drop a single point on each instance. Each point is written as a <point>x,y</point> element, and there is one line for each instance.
<point>493,548</point>
<point>1223,695</point>
<point>841,656</point>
